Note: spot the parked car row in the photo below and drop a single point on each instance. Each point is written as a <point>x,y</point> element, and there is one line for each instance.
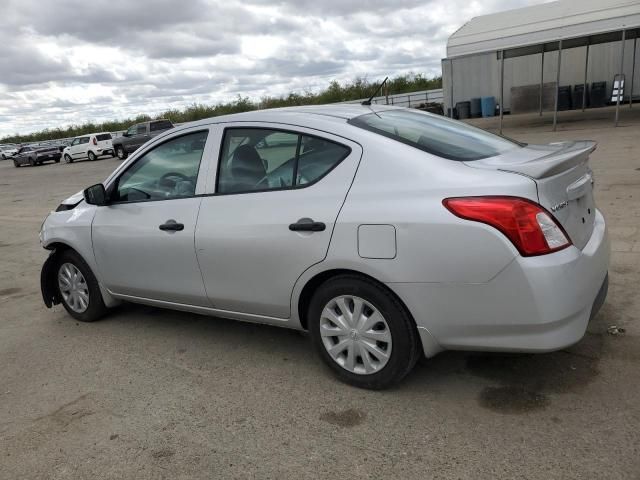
<point>86,147</point>
<point>8,150</point>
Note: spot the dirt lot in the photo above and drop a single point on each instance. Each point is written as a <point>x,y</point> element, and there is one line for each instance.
<point>148,393</point>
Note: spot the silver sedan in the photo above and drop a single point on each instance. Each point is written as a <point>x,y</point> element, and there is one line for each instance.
<point>387,233</point>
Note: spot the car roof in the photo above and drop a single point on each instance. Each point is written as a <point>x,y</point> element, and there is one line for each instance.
<point>337,112</point>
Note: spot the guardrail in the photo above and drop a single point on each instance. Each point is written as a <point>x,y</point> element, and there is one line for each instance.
<point>412,99</point>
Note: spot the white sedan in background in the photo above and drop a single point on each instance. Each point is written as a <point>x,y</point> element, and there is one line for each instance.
<point>8,151</point>
<point>386,233</point>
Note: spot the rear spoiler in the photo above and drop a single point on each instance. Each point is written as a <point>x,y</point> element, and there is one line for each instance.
<point>568,155</point>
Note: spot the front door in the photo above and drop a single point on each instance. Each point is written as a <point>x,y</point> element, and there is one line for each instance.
<point>144,239</point>
<point>278,194</point>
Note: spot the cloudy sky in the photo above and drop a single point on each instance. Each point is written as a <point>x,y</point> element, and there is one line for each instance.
<point>68,61</point>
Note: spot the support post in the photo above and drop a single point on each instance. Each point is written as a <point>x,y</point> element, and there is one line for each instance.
<point>584,85</point>
<point>633,70</point>
<point>555,109</point>
<point>541,79</point>
<point>620,77</point>
<point>451,87</point>
<point>501,88</point>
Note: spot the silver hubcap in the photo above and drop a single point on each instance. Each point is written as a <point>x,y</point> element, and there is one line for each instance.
<point>73,287</point>
<point>355,334</point>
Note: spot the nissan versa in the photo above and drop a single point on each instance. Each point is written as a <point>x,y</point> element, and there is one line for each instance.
<point>386,233</point>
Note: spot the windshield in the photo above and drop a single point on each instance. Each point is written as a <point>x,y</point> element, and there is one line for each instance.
<point>435,134</point>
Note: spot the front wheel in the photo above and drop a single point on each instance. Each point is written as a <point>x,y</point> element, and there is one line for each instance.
<point>57,160</point>
<point>362,332</point>
<point>16,164</point>
<point>120,153</point>
<point>67,159</point>
<point>32,162</point>
<point>78,288</point>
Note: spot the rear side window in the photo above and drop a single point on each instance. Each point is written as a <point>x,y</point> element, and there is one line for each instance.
<point>142,129</point>
<point>255,159</point>
<point>84,140</point>
<point>161,125</point>
<point>103,136</point>
<point>435,134</point>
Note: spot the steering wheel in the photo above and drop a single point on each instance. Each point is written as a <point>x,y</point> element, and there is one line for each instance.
<point>181,176</point>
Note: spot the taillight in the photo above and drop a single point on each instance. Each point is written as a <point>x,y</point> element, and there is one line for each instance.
<point>95,142</point>
<point>529,226</point>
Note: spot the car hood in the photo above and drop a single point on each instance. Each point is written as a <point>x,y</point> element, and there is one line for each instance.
<point>74,199</point>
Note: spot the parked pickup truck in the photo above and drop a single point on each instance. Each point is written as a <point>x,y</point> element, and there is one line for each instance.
<point>34,155</point>
<point>138,134</point>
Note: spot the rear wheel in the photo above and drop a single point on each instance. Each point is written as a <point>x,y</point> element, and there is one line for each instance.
<point>68,159</point>
<point>362,332</point>
<point>120,153</point>
<point>92,156</point>
<point>57,160</point>
<point>78,288</point>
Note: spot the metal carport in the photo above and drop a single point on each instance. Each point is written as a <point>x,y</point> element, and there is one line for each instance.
<point>540,30</point>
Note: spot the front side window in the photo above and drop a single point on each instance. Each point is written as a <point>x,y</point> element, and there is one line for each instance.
<point>168,171</point>
<point>132,130</point>
<point>257,159</point>
<point>76,141</point>
<point>435,134</point>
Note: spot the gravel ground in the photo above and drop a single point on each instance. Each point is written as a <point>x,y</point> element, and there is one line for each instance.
<point>148,393</point>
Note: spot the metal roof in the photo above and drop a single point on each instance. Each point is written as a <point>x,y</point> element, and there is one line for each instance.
<point>543,23</point>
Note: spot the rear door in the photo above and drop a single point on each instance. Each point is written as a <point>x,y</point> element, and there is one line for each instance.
<point>277,196</point>
<point>81,149</point>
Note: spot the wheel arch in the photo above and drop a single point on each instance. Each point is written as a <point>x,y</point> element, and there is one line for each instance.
<point>318,279</point>
<point>50,294</point>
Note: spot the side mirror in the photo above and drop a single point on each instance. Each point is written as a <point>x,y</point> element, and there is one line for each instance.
<point>95,195</point>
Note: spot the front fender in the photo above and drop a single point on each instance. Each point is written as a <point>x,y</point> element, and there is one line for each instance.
<point>50,294</point>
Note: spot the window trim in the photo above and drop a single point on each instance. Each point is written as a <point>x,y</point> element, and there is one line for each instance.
<point>295,166</point>
<point>113,184</point>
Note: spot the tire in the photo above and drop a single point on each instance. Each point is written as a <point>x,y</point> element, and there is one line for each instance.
<point>396,324</point>
<point>95,308</point>
<point>121,152</point>
<point>4,157</point>
<point>32,162</point>
<point>16,164</point>
<point>92,156</point>
<point>57,160</point>
<point>67,158</point>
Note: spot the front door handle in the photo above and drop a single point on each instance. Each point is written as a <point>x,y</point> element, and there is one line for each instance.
<point>171,226</point>
<point>307,225</point>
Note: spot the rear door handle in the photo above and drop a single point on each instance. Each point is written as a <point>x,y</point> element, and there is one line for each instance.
<point>307,225</point>
<point>171,226</point>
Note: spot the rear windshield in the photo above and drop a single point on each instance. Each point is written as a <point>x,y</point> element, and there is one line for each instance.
<point>161,125</point>
<point>103,136</point>
<point>435,134</point>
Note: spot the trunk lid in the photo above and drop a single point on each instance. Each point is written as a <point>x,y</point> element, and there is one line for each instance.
<point>563,178</point>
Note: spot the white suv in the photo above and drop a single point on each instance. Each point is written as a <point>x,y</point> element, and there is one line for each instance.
<point>89,146</point>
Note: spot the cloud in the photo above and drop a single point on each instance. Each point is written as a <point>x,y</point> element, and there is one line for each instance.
<point>69,61</point>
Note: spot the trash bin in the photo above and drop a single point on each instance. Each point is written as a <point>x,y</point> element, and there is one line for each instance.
<point>488,106</point>
<point>598,96</point>
<point>464,109</point>
<point>476,107</point>
<point>578,90</point>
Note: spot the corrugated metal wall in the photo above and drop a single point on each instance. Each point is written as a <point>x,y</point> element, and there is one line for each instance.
<point>479,75</point>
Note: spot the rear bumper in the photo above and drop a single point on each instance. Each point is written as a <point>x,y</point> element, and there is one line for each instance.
<point>536,304</point>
